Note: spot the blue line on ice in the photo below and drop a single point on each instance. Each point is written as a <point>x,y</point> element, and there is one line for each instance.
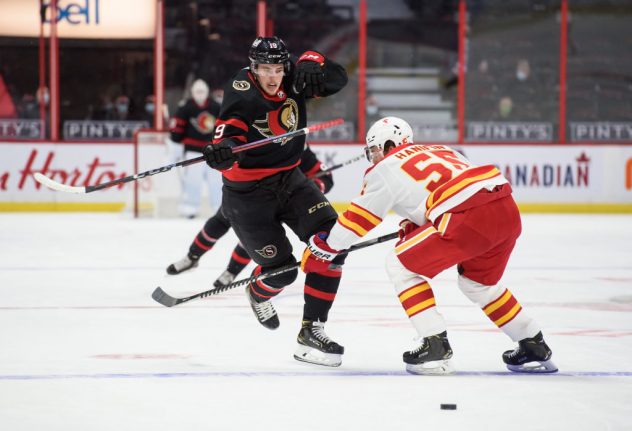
<point>328,373</point>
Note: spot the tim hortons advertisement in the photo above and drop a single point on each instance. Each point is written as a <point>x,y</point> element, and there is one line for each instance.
<point>71,164</point>
<point>569,174</point>
<point>80,19</point>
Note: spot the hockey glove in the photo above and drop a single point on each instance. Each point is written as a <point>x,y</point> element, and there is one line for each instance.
<point>405,227</point>
<point>318,255</point>
<point>309,76</point>
<point>220,156</point>
<point>324,183</point>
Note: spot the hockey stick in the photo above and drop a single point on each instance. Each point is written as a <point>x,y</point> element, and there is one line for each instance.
<point>167,300</point>
<point>339,165</point>
<point>50,183</point>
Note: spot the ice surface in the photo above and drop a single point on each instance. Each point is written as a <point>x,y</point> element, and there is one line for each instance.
<point>84,347</point>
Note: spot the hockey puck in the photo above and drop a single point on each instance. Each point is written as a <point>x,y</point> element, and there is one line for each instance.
<point>448,406</point>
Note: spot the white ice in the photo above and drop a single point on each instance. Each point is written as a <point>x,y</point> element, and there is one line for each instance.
<point>84,347</point>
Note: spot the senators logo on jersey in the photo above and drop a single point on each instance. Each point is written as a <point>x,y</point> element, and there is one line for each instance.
<point>204,122</point>
<point>280,121</point>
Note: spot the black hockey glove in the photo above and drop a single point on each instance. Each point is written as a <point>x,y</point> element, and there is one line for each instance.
<point>309,76</point>
<point>324,182</point>
<point>220,156</point>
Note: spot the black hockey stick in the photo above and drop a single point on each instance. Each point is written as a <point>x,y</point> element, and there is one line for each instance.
<point>43,179</point>
<point>339,165</point>
<point>167,300</point>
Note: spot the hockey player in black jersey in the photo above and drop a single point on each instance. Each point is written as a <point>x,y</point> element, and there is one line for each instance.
<point>192,126</point>
<point>217,226</point>
<point>264,188</point>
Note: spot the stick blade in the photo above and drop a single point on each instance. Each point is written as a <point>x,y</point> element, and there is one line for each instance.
<point>163,298</point>
<point>52,184</point>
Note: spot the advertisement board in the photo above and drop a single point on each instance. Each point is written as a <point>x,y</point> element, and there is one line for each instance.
<point>544,178</point>
<point>80,19</point>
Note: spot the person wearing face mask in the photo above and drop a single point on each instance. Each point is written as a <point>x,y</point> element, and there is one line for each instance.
<point>192,127</point>
<point>120,111</point>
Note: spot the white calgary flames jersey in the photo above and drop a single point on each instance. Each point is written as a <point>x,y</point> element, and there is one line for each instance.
<point>418,182</point>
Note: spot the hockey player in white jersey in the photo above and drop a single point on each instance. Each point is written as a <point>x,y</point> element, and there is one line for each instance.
<point>455,213</point>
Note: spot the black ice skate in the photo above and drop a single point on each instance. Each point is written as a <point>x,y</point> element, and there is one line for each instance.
<point>432,357</point>
<point>187,262</point>
<point>264,311</point>
<point>315,347</point>
<point>224,279</point>
<point>531,356</point>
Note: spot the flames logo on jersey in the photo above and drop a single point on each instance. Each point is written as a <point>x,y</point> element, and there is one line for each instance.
<point>280,121</point>
<point>204,122</point>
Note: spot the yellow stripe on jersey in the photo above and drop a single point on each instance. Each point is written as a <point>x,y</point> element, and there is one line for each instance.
<point>358,220</point>
<point>371,218</point>
<point>443,224</point>
<point>420,307</point>
<point>415,239</point>
<point>508,316</point>
<point>440,194</point>
<point>353,227</point>
<point>414,291</point>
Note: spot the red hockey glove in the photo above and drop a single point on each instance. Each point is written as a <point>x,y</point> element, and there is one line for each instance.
<point>318,255</point>
<point>405,227</point>
<point>309,76</point>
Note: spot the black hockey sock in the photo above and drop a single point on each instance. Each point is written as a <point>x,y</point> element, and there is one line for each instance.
<point>263,290</point>
<point>319,292</point>
<point>214,229</point>
<point>238,260</point>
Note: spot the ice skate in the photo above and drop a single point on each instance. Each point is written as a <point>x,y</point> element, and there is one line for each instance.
<point>432,357</point>
<point>264,311</point>
<point>224,279</point>
<point>315,347</point>
<point>531,356</point>
<point>187,262</point>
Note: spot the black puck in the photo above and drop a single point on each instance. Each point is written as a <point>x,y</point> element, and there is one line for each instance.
<point>448,406</point>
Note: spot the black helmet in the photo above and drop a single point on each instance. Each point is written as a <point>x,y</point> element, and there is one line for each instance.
<point>269,50</point>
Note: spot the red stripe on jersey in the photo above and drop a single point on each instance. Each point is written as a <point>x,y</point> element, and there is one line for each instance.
<point>358,220</point>
<point>313,170</point>
<point>195,142</point>
<point>455,185</point>
<point>239,174</point>
<point>232,122</point>
<point>504,309</point>
<point>417,298</point>
<point>319,294</point>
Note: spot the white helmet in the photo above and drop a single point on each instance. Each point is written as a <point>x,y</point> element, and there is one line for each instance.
<point>384,134</point>
<point>199,91</point>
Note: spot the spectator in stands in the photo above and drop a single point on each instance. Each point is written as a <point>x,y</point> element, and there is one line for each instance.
<point>523,70</point>
<point>505,106</point>
<point>121,111</point>
<point>28,108</point>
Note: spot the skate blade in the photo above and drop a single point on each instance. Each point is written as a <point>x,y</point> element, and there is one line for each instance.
<point>432,368</point>
<point>534,367</point>
<point>314,356</point>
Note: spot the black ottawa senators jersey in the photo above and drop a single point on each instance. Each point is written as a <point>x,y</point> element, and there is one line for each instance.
<point>248,114</point>
<point>193,125</point>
